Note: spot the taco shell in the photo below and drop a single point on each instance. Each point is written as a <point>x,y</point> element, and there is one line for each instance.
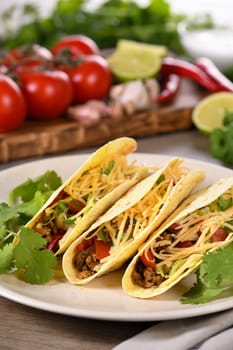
<point>95,186</point>
<point>199,219</point>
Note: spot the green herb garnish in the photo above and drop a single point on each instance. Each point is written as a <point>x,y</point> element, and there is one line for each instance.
<point>221,140</point>
<point>69,221</point>
<point>213,277</point>
<point>108,170</point>
<point>224,203</point>
<point>160,179</point>
<point>21,249</point>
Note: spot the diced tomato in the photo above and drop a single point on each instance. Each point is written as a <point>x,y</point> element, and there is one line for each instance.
<point>185,244</point>
<point>219,235</point>
<point>61,195</point>
<point>147,258</point>
<point>56,238</point>
<point>75,206</point>
<point>102,248</point>
<point>85,244</point>
<point>174,227</point>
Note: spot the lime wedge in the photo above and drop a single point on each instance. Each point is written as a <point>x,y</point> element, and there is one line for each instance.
<point>132,60</point>
<point>124,44</point>
<point>209,113</point>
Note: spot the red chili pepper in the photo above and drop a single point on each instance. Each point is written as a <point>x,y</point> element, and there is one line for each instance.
<point>188,70</point>
<point>170,87</point>
<point>56,238</point>
<point>214,73</point>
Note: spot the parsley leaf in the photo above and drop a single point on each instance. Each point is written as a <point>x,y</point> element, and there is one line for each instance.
<point>7,257</point>
<point>213,277</point>
<point>37,264</point>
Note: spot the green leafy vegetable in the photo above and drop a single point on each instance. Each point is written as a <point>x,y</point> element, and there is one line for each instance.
<point>224,203</point>
<point>213,277</point>
<point>38,264</point>
<point>110,21</point>
<point>221,140</point>
<point>27,255</point>
<point>46,183</point>
<point>160,179</point>
<point>7,258</point>
<point>108,170</point>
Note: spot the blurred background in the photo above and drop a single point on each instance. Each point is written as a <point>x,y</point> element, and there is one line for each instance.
<point>220,9</point>
<point>69,16</point>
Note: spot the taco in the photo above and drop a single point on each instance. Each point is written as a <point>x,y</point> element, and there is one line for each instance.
<point>118,233</point>
<point>204,222</point>
<point>89,192</point>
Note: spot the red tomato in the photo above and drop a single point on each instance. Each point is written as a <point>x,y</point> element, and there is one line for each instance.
<point>12,105</point>
<point>91,79</point>
<point>85,244</point>
<point>148,258</point>
<point>75,206</point>
<point>76,44</point>
<point>174,227</point>
<point>101,248</point>
<point>47,94</point>
<point>219,235</point>
<point>27,56</point>
<point>185,244</point>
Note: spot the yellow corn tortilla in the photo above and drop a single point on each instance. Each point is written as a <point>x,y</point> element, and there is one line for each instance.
<point>126,206</point>
<point>117,151</point>
<point>184,261</point>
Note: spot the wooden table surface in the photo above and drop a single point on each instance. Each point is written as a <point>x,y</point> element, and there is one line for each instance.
<point>23,327</point>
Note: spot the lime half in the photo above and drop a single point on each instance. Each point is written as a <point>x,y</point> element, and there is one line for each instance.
<point>132,61</point>
<point>209,113</point>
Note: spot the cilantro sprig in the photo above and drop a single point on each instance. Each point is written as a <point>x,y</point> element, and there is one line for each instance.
<point>36,263</point>
<point>221,140</point>
<point>214,277</point>
<point>21,249</point>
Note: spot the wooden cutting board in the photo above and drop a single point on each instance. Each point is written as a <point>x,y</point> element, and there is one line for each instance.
<point>58,136</point>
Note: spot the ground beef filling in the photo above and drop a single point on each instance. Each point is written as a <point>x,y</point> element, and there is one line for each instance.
<point>47,229</point>
<point>146,277</point>
<point>85,262</point>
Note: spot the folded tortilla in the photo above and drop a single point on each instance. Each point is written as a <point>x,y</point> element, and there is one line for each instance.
<point>89,192</point>
<point>117,234</point>
<point>204,222</point>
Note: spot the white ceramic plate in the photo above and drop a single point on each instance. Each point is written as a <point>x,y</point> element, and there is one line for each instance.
<point>103,298</point>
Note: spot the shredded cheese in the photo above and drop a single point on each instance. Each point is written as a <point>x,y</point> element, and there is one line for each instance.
<point>127,225</point>
<point>98,182</point>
